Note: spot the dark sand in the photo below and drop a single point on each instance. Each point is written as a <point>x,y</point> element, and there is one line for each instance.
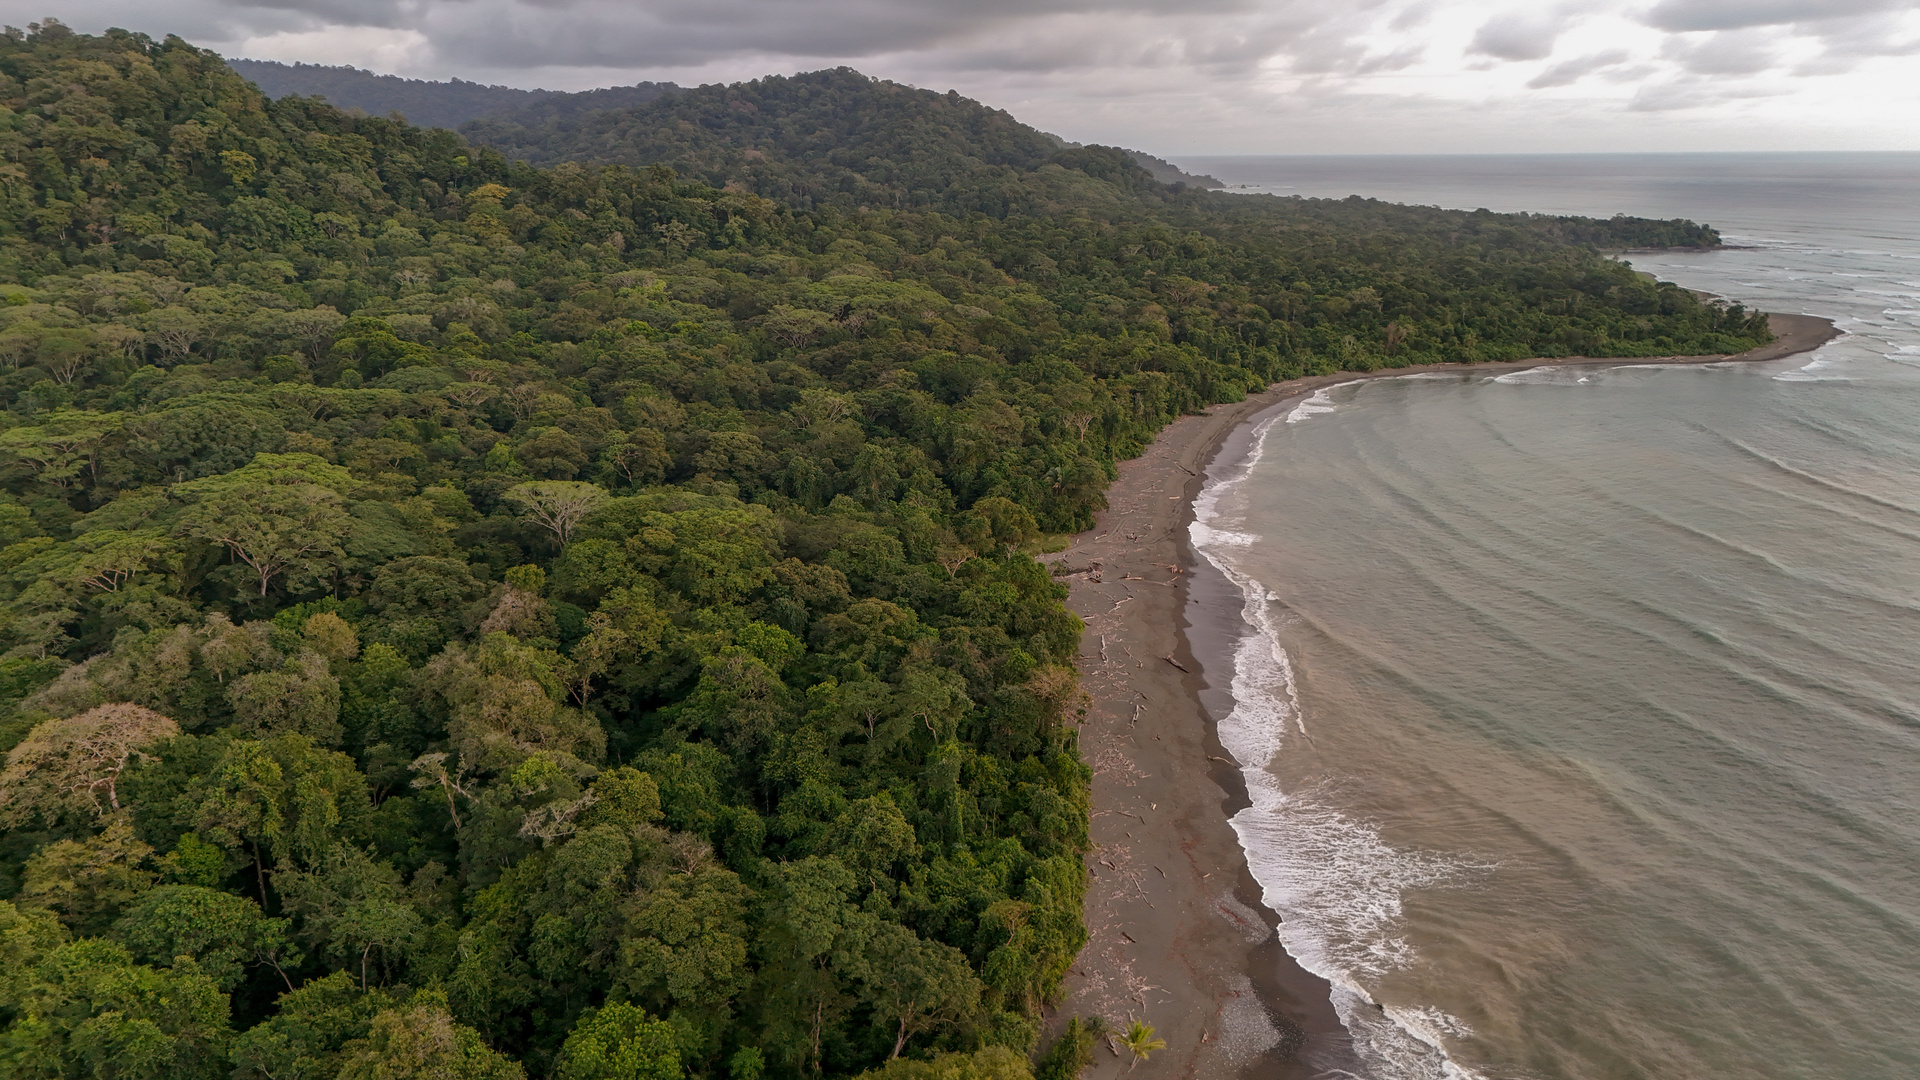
<point>1177,936</point>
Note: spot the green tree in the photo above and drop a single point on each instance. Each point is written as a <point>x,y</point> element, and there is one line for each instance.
<point>421,1041</point>
<point>300,697</point>
<point>1138,1040</point>
<point>1072,1052</point>
<point>620,1042</point>
<point>94,1012</point>
<point>223,933</point>
<point>503,702</point>
<point>87,881</point>
<point>914,985</point>
<point>283,515</point>
<point>308,1031</point>
<point>686,942</point>
<point>63,448</point>
<point>351,908</point>
<point>559,506</point>
<point>992,1063</point>
<point>239,804</point>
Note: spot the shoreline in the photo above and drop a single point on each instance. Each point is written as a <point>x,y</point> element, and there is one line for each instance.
<point>1177,934</point>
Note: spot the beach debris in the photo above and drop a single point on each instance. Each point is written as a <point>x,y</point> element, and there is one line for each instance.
<point>1176,663</point>
<point>1129,937</point>
<point>1111,762</point>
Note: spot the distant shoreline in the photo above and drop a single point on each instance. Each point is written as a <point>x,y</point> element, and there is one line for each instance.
<point>1177,935</point>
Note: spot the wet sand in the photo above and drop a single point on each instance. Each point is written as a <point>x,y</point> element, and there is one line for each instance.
<point>1176,933</point>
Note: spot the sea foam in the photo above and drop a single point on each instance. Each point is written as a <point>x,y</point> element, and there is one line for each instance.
<point>1820,369</point>
<point>1335,882</point>
<point>1320,402</point>
<point>1545,376</point>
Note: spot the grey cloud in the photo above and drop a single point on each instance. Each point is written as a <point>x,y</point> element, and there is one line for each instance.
<point>1398,60</point>
<point>507,34</point>
<point>1574,70</point>
<point>1219,37</point>
<point>1222,48</point>
<point>1413,16</point>
<point>1514,38</point>
<point>1727,53</point>
<point>1690,15</point>
<point>340,12</point>
<point>510,34</point>
<point>1849,45</point>
<point>501,36</point>
<point>1246,75</point>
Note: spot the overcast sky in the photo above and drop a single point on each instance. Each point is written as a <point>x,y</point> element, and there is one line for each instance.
<point>1176,76</point>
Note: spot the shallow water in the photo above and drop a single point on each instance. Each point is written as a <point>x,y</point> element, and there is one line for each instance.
<point>1581,712</point>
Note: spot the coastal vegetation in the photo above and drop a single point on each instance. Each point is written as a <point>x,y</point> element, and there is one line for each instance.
<point>464,617</point>
<point>1139,1041</point>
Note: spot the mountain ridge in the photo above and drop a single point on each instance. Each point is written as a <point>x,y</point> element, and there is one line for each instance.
<point>458,103</point>
<point>428,103</point>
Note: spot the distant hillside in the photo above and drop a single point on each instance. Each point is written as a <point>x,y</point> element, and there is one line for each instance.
<point>429,104</point>
<point>1168,173</point>
<point>545,126</point>
<point>834,137</point>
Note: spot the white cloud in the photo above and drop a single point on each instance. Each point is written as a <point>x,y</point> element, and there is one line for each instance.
<point>376,47</point>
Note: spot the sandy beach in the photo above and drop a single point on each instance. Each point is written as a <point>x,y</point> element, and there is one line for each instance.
<point>1177,936</point>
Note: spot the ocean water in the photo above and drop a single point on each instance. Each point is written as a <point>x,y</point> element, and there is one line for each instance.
<point>1580,707</point>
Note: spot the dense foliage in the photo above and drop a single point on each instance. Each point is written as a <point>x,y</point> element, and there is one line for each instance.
<point>470,620</point>
<point>429,104</point>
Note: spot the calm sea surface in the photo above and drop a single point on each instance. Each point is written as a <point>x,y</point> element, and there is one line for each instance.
<point>1581,707</point>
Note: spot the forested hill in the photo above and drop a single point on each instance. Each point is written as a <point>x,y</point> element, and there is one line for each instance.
<point>430,104</point>
<point>523,121</point>
<point>834,137</point>
<point>464,619</point>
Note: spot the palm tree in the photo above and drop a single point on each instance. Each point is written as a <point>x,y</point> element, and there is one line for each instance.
<point>1139,1041</point>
